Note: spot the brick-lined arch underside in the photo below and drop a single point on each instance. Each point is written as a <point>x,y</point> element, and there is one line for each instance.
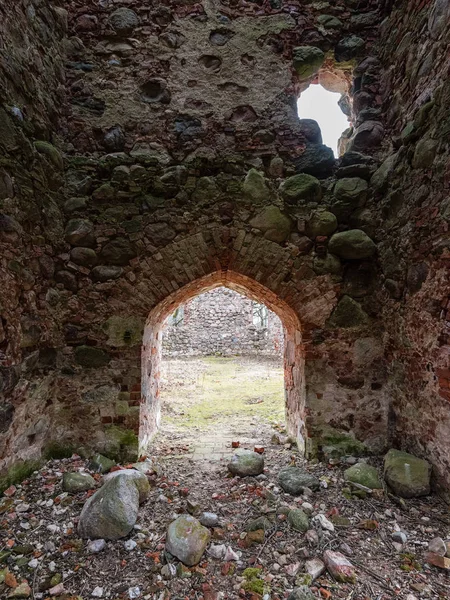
<point>293,350</point>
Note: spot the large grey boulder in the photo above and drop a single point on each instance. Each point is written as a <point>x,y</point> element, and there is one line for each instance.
<point>407,475</point>
<point>187,539</point>
<point>112,511</point>
<point>294,480</point>
<point>139,478</point>
<point>246,463</point>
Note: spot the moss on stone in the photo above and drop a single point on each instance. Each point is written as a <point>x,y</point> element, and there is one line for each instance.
<point>271,221</point>
<point>307,61</point>
<point>124,331</point>
<point>298,520</point>
<point>104,193</point>
<point>121,444</point>
<point>321,223</point>
<point>363,474</point>
<point>57,450</point>
<point>255,186</point>
<point>52,153</point>
<point>18,472</point>
<point>348,313</point>
<point>301,188</point>
<point>327,265</point>
<point>352,245</point>
<point>90,357</point>
<point>206,191</point>
<point>335,444</point>
<point>407,475</point>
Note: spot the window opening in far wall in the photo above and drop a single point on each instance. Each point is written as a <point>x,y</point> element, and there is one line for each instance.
<point>260,315</point>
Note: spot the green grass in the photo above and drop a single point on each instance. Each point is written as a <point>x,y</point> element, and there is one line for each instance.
<point>225,388</point>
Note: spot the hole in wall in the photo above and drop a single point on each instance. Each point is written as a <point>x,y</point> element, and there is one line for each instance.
<point>210,63</point>
<point>155,90</point>
<point>244,114</point>
<point>231,86</point>
<point>322,106</point>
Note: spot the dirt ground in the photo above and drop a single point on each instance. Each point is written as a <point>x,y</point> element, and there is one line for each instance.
<point>210,401</point>
<point>39,543</point>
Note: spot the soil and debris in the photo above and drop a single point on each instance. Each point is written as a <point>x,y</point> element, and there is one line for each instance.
<point>255,551</point>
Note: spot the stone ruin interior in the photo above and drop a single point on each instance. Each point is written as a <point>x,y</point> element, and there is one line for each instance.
<point>151,152</point>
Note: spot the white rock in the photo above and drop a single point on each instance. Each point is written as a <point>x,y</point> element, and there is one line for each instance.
<point>52,566</point>
<point>53,528</point>
<point>438,546</point>
<point>22,508</point>
<point>323,522</point>
<point>33,563</point>
<point>217,551</point>
<point>134,592</point>
<point>97,592</point>
<point>96,546</point>
<point>399,537</point>
<point>56,590</point>
<point>315,567</point>
<point>169,571</point>
<point>312,537</point>
<point>230,554</point>
<point>130,545</point>
<point>293,569</point>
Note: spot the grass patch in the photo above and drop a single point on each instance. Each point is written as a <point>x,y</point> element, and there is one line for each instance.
<point>226,388</point>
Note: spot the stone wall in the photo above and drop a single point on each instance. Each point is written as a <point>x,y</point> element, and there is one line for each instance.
<point>187,168</point>
<point>31,226</point>
<point>185,159</point>
<point>221,322</point>
<point>412,192</point>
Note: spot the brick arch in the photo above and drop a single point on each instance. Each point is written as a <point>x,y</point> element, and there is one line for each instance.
<point>209,250</point>
<point>293,350</point>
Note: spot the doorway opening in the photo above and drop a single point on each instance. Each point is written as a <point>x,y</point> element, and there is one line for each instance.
<point>222,378</point>
<point>243,362</point>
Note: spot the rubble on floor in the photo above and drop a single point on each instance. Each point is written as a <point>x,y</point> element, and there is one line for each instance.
<point>203,533</point>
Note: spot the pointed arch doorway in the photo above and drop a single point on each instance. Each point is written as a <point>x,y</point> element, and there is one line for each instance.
<point>293,361</point>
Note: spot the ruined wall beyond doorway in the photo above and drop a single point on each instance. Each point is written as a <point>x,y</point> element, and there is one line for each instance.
<point>222,322</point>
